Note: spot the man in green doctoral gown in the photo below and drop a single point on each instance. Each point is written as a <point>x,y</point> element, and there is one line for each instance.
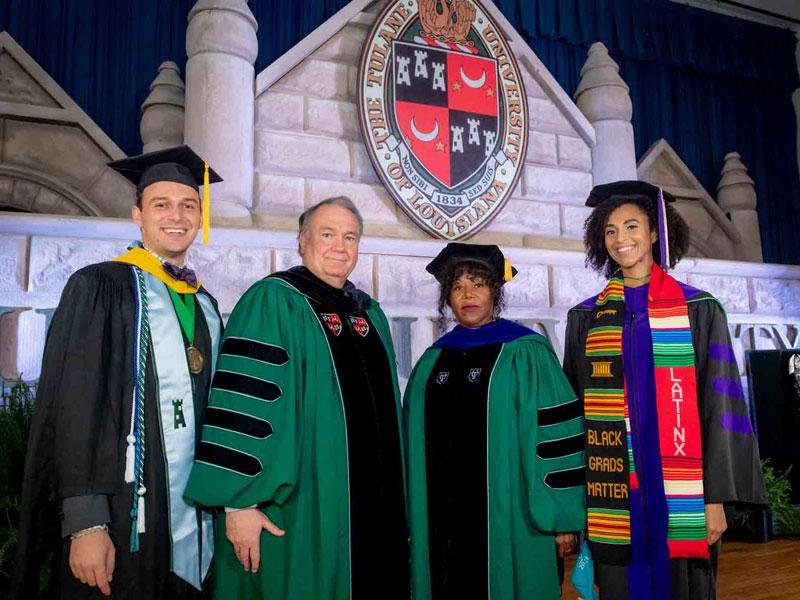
<point>125,376</point>
<point>302,433</point>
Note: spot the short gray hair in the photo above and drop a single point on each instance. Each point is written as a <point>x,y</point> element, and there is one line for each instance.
<point>341,201</point>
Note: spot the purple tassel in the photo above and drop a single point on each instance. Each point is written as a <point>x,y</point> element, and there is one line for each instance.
<point>663,234</point>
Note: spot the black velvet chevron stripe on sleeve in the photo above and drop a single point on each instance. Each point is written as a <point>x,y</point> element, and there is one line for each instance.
<point>247,385</point>
<point>552,415</point>
<point>236,346</point>
<point>560,448</point>
<point>566,479</point>
<point>228,458</point>
<point>237,422</point>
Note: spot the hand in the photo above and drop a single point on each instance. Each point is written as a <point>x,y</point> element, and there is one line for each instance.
<point>565,543</point>
<point>243,530</point>
<point>465,15</point>
<point>91,558</point>
<point>432,21</point>
<point>715,522</point>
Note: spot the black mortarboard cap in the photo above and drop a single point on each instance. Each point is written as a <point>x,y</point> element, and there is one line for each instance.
<point>179,164</point>
<point>628,189</point>
<point>623,189</point>
<point>454,253</point>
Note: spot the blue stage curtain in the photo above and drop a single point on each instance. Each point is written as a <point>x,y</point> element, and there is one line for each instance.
<point>106,53</point>
<point>707,83</point>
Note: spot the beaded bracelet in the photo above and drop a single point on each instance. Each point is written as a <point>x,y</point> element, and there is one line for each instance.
<point>87,531</point>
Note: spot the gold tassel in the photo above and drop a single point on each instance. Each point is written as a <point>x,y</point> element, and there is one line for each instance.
<point>206,206</point>
<point>508,275</point>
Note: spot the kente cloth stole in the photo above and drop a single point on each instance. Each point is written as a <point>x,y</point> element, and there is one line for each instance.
<point>611,473</point>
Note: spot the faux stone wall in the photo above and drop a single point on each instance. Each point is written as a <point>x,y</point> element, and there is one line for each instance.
<point>54,168</point>
<point>308,146</point>
<point>52,156</point>
<point>38,254</point>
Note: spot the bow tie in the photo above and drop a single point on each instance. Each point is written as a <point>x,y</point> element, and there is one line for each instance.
<point>181,274</point>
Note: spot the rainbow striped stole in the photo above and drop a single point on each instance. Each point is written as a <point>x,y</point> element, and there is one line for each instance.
<point>678,417</point>
<point>611,472</point>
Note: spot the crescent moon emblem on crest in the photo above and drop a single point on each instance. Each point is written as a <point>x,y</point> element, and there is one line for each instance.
<point>425,137</point>
<point>473,83</point>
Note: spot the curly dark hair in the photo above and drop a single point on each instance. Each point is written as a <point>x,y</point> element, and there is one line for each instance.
<point>597,257</point>
<point>472,270</point>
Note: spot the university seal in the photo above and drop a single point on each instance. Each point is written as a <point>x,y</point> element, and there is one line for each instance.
<point>443,113</point>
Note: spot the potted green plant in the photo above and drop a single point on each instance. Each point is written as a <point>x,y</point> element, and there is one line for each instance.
<point>16,408</point>
<point>784,514</point>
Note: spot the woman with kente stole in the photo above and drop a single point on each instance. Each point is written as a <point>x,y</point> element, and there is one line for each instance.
<point>495,445</point>
<point>669,441</point>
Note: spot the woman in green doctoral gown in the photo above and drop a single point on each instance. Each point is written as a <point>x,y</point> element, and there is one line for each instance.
<point>495,446</point>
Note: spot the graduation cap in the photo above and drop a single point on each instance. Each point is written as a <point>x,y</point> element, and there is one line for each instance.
<point>619,190</point>
<point>454,253</point>
<point>179,164</point>
<point>625,189</point>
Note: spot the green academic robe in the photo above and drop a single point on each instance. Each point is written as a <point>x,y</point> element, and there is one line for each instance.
<point>525,473</point>
<point>277,437</point>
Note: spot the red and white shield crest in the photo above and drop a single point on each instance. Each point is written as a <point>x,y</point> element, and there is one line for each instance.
<point>360,325</point>
<point>332,322</point>
<point>446,106</point>
<point>443,112</point>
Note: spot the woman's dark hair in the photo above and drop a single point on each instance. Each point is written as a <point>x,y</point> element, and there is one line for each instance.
<point>594,233</point>
<point>472,270</point>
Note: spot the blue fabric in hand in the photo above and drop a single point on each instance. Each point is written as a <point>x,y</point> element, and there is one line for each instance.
<point>583,574</point>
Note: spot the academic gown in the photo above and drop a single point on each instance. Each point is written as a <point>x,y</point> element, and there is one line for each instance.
<point>304,422</point>
<point>495,465</point>
<point>78,441</point>
<point>731,468</point>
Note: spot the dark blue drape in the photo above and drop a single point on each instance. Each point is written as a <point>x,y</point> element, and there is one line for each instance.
<point>707,83</point>
<point>106,53</point>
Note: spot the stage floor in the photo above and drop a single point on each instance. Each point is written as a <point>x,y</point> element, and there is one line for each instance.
<point>749,571</point>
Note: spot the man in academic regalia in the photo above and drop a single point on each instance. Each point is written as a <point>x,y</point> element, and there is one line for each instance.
<point>302,433</point>
<point>125,376</point>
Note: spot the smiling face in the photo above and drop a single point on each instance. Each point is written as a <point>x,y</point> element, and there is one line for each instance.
<point>471,301</point>
<point>629,240</point>
<point>329,246</point>
<point>169,218</point>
